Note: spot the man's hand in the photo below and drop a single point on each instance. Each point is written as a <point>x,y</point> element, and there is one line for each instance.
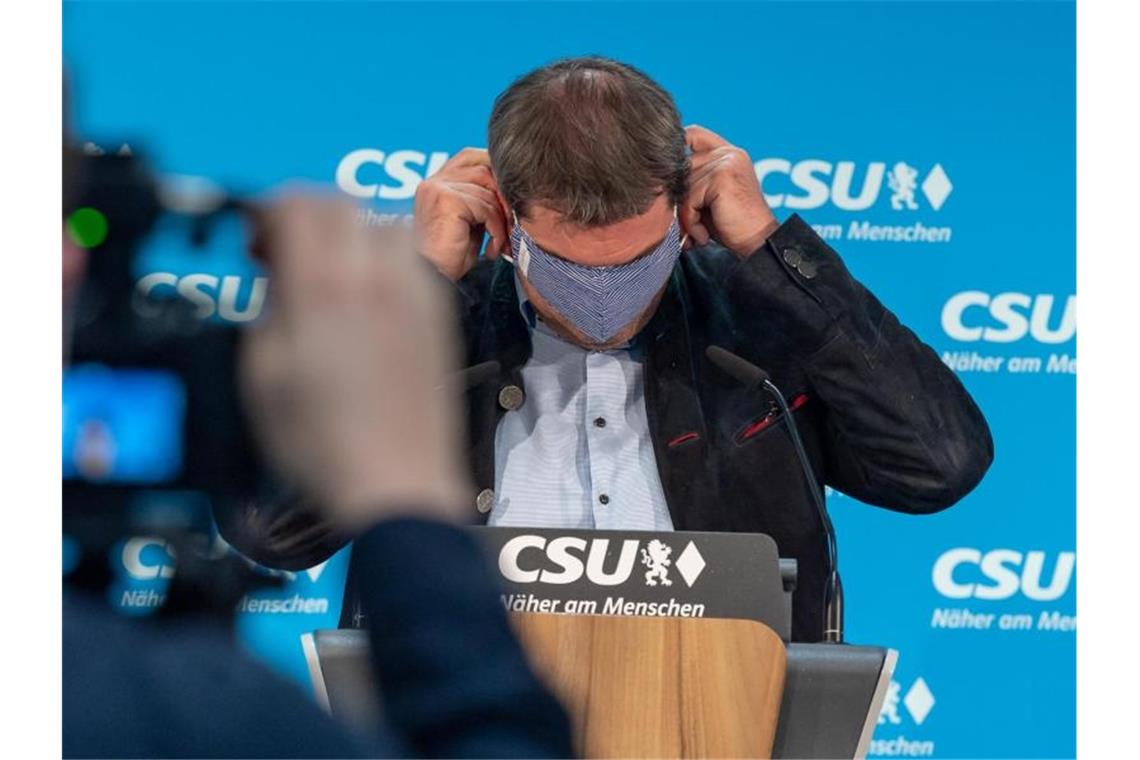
<point>454,208</point>
<point>342,379</point>
<point>724,200</point>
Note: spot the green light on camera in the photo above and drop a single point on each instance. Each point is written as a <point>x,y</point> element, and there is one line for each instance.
<point>87,227</point>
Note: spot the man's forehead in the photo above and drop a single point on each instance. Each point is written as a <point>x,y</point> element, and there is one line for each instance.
<point>610,245</point>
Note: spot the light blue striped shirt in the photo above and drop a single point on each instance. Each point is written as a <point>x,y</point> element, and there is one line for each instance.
<point>577,453</point>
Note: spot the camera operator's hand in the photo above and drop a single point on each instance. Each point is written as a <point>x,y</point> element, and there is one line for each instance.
<point>343,377</point>
<point>454,208</point>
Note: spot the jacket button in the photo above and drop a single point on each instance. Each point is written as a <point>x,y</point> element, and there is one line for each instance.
<point>807,268</point>
<point>511,397</point>
<point>484,501</point>
<point>793,256</point>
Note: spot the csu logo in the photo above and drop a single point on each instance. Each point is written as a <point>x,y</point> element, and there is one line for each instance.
<point>147,558</point>
<point>965,573</point>
<point>232,298</point>
<point>566,559</point>
<point>372,173</point>
<point>812,183</point>
<point>975,315</point>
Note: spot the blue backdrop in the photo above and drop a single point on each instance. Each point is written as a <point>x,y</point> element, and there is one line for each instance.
<point>932,143</point>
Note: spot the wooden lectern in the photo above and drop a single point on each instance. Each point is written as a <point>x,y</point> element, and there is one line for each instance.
<point>661,686</point>
<point>720,678</point>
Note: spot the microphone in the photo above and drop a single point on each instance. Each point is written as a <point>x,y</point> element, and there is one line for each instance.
<point>738,368</point>
<point>470,377</point>
<point>477,374</point>
<point>751,376</point>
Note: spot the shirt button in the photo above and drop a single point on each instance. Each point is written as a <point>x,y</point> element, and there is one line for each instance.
<point>599,422</point>
<point>604,499</point>
<point>807,269</point>
<point>484,501</point>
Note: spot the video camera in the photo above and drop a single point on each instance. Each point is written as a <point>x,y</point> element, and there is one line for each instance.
<point>154,437</point>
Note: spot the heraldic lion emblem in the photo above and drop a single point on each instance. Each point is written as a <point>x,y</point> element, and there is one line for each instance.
<point>656,558</point>
<point>903,180</point>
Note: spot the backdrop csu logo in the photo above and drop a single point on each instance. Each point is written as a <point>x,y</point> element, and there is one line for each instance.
<point>228,296</point>
<point>808,184</point>
<point>974,315</point>
<point>820,181</point>
<point>965,573</point>
<point>371,173</point>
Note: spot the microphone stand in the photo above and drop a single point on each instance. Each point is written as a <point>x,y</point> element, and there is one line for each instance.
<point>751,375</point>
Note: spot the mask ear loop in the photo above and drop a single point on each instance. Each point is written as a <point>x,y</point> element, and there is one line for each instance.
<point>504,255</point>
<point>685,236</point>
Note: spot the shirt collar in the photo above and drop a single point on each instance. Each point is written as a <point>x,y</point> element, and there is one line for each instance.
<point>528,312</point>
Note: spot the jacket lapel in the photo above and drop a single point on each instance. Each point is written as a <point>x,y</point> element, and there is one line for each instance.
<point>676,421</point>
<point>503,337</point>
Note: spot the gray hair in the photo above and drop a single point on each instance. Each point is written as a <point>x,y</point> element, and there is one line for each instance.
<point>594,139</point>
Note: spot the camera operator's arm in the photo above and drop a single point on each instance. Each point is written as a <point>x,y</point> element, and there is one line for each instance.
<point>345,386</point>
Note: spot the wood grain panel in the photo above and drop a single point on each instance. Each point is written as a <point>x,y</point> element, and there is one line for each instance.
<point>661,687</point>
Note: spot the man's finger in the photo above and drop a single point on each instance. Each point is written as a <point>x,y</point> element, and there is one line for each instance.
<point>470,175</point>
<point>492,216</point>
<point>707,171</point>
<point>701,139</point>
<point>483,209</point>
<point>699,161</point>
<point>477,190</point>
<point>468,157</point>
<point>497,227</point>
<point>689,213</point>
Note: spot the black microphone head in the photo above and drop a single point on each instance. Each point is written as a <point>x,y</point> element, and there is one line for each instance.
<point>478,374</point>
<point>738,368</point>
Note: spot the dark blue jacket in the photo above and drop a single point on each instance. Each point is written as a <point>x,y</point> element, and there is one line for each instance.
<point>882,418</point>
<point>454,680</point>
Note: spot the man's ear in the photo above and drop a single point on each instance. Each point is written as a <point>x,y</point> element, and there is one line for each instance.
<point>506,208</point>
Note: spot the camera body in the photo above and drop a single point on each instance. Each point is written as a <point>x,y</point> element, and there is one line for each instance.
<point>151,399</point>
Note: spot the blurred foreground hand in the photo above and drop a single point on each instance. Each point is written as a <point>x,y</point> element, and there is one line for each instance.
<point>343,377</point>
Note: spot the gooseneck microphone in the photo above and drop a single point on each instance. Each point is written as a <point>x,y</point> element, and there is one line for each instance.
<point>751,376</point>
<point>470,377</point>
<point>477,374</point>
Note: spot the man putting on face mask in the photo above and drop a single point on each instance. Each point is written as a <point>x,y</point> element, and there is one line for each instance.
<point>619,246</point>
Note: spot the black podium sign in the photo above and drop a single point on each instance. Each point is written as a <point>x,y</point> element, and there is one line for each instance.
<point>639,573</point>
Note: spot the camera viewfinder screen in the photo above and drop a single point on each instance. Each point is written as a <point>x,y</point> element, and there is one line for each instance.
<point>122,425</point>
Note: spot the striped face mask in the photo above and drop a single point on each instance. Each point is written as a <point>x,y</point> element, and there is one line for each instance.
<point>599,301</point>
